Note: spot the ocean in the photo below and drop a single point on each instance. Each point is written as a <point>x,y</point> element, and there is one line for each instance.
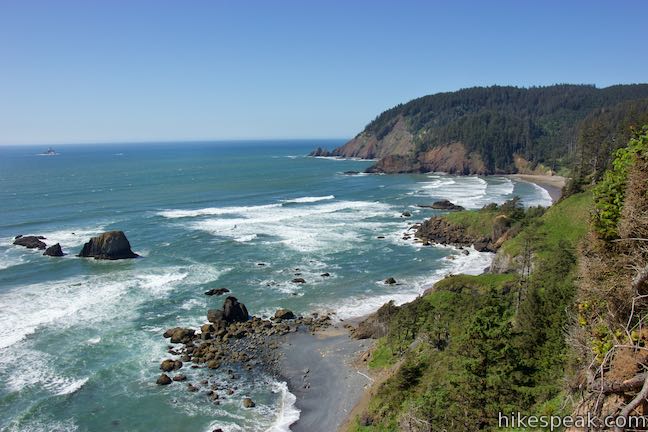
<point>81,340</point>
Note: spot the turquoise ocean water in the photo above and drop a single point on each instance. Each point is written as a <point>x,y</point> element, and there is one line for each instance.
<point>80,340</point>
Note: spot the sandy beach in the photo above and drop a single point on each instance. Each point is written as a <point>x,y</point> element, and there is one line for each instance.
<point>325,374</point>
<point>553,184</point>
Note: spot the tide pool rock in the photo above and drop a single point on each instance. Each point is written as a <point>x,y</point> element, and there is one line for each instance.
<point>284,314</point>
<point>111,245</point>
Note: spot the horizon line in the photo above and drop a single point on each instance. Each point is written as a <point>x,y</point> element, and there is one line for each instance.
<point>170,141</point>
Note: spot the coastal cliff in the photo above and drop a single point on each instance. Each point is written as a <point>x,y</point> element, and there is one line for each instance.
<point>555,327</point>
<point>489,130</point>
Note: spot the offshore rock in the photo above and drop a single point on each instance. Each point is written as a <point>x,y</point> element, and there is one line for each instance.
<point>111,245</point>
<point>30,242</point>
<point>54,251</point>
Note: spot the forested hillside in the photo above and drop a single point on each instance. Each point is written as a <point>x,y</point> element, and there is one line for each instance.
<point>558,329</point>
<point>488,130</point>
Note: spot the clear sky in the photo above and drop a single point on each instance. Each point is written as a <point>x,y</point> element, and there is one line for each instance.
<point>131,70</point>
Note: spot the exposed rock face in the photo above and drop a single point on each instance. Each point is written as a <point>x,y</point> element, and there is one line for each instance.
<point>438,230</point>
<point>444,205</point>
<point>111,245</point>
<point>399,141</point>
<point>376,325</point>
<point>54,251</point>
<point>284,314</point>
<point>163,380</point>
<point>233,311</point>
<point>393,164</point>
<point>320,152</point>
<point>30,242</point>
<point>217,291</point>
<point>451,158</point>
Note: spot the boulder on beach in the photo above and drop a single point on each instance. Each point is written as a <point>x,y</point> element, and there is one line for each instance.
<point>284,314</point>
<point>233,311</point>
<point>111,245</point>
<point>30,242</point>
<point>217,291</point>
<point>54,251</point>
<point>179,334</point>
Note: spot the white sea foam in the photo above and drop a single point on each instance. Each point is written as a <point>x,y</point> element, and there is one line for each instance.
<point>214,211</point>
<point>31,368</point>
<point>541,198</point>
<point>72,387</point>
<point>94,340</point>
<point>86,299</point>
<point>297,227</point>
<point>309,199</point>
<point>287,412</point>
<point>10,258</point>
<point>474,263</point>
<point>72,237</point>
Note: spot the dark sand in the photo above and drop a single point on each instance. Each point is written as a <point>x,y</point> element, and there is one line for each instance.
<point>324,373</point>
<point>552,184</point>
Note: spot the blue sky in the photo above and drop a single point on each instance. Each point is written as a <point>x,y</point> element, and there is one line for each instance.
<point>104,71</point>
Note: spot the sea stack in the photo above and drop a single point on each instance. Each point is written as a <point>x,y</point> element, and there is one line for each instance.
<point>54,251</point>
<point>111,245</point>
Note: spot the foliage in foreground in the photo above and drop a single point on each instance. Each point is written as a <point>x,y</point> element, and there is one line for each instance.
<point>478,345</point>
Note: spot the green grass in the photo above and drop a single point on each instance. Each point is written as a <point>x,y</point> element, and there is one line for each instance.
<point>477,223</point>
<point>382,356</point>
<point>566,221</point>
<point>481,283</point>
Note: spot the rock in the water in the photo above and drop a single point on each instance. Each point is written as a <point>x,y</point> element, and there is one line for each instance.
<point>170,365</point>
<point>443,205</point>
<point>163,380</point>
<point>217,291</point>
<point>54,251</point>
<point>390,281</point>
<point>233,311</point>
<point>179,334</point>
<point>320,152</point>
<point>327,274</point>
<point>284,314</point>
<point>299,280</point>
<point>111,245</point>
<point>406,214</point>
<point>30,242</point>
<point>248,403</point>
<point>180,377</point>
